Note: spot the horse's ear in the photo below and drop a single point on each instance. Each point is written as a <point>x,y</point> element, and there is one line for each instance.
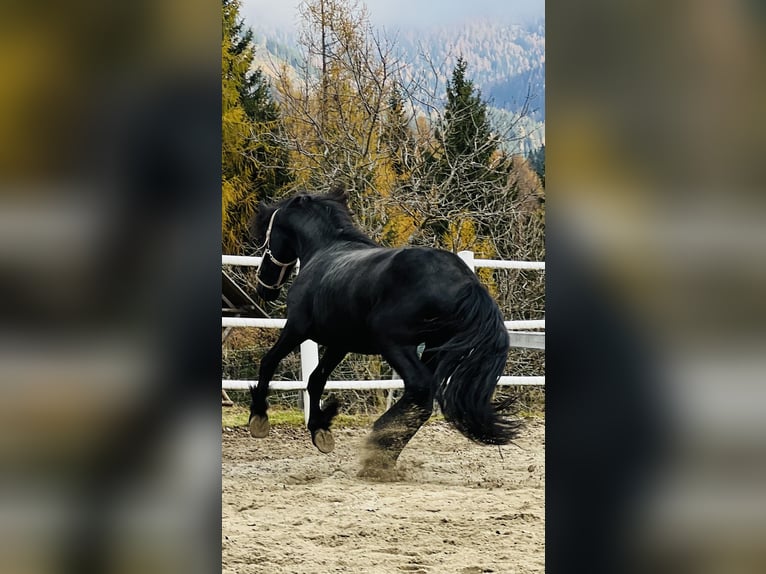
<point>256,218</point>
<point>339,193</point>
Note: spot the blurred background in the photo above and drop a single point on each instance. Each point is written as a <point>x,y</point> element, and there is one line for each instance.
<point>109,263</point>
<point>656,432</point>
<point>109,257</point>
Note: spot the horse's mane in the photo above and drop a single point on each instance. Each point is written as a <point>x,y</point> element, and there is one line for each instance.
<point>340,222</point>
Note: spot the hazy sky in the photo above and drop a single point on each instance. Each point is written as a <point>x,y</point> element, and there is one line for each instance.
<point>403,12</point>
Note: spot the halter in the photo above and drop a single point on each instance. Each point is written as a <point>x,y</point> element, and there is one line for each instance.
<point>283,266</point>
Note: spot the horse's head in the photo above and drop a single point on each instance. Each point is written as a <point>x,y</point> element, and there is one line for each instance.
<point>304,219</point>
<point>279,257</point>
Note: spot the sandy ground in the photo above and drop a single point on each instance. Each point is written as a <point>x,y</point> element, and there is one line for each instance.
<point>456,507</point>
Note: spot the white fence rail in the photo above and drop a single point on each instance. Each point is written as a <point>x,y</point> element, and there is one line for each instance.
<point>279,323</point>
<point>522,334</point>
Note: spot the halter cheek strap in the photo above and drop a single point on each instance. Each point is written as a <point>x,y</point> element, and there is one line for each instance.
<point>284,267</point>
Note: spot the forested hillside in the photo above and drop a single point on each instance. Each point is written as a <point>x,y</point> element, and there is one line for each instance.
<point>507,63</point>
<point>507,60</point>
<point>404,124</point>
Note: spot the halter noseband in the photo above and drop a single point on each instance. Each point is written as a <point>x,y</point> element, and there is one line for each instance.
<point>283,266</point>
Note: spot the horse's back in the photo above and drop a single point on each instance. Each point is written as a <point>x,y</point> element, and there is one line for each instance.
<point>429,262</point>
<point>413,270</point>
<point>351,293</point>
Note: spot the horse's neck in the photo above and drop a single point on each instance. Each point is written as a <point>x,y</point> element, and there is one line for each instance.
<point>308,248</point>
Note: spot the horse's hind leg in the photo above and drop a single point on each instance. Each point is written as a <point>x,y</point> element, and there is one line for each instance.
<point>259,421</point>
<point>320,418</point>
<point>394,429</point>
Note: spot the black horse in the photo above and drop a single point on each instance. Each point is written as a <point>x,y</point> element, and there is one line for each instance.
<point>352,295</point>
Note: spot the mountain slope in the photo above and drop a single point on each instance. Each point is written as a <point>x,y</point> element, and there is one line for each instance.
<point>505,61</point>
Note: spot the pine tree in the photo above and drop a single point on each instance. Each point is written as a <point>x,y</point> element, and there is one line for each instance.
<point>537,161</point>
<point>467,132</point>
<point>254,162</point>
<point>397,135</point>
<point>463,164</point>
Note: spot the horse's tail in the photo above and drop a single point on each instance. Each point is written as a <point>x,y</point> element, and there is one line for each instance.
<point>469,367</point>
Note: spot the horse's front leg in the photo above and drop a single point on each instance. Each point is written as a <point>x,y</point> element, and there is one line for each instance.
<point>320,418</point>
<point>259,421</point>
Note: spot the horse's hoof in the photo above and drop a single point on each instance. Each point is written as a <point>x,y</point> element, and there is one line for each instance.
<point>259,426</point>
<point>323,440</point>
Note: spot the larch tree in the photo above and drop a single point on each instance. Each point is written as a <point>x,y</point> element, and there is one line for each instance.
<point>336,108</point>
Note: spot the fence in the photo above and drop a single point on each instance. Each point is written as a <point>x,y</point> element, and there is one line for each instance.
<point>523,334</point>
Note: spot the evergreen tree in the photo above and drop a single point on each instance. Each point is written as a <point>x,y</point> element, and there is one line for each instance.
<point>537,161</point>
<point>466,128</point>
<point>397,136</point>
<point>254,162</point>
<point>464,169</point>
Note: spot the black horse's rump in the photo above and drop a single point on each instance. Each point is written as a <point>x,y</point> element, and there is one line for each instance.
<point>352,295</point>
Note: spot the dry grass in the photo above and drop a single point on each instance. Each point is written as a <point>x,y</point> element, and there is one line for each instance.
<point>238,415</point>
